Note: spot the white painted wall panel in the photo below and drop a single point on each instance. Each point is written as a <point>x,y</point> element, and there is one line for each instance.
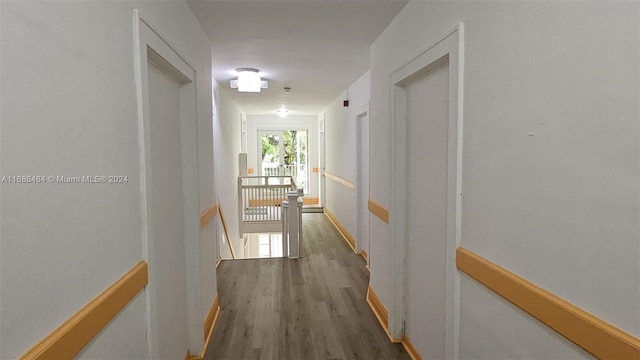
<point>120,344</point>
<point>493,329</point>
<point>208,251</point>
<point>341,201</point>
<point>341,151</point>
<point>550,165</point>
<point>227,147</point>
<point>69,108</point>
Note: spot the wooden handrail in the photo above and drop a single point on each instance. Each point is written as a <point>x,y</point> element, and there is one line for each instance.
<point>207,215</point>
<point>75,333</point>
<point>264,176</point>
<point>378,210</point>
<point>340,180</point>
<point>226,232</point>
<point>284,186</point>
<point>263,195</point>
<point>591,333</point>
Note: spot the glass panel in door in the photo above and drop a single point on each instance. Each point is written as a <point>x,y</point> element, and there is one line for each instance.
<point>285,153</point>
<point>271,153</point>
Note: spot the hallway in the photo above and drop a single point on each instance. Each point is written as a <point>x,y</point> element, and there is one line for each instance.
<point>311,308</point>
<point>483,156</point>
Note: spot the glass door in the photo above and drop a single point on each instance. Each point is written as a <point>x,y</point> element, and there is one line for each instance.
<point>271,152</point>
<point>285,153</point>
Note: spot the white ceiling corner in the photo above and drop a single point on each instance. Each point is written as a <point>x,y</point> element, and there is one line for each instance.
<point>316,47</point>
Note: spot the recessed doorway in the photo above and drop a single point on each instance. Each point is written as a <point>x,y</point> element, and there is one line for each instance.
<point>285,153</point>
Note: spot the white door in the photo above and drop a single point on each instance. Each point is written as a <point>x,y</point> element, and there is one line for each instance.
<point>362,122</point>
<point>426,211</point>
<point>167,210</point>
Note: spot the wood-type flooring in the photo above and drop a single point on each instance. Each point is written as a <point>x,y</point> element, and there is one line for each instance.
<point>310,308</point>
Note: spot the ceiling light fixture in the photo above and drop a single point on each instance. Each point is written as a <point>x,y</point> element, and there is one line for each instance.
<point>248,81</point>
<point>282,112</point>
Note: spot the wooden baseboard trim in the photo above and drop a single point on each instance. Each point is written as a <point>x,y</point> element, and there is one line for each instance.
<point>346,235</point>
<point>383,318</point>
<point>378,210</point>
<point>591,333</point>
<point>410,349</point>
<point>214,314</point>
<point>72,335</point>
<point>208,215</point>
<point>209,325</point>
<point>381,313</point>
<point>218,262</point>
<point>214,310</point>
<point>340,180</point>
<point>364,254</point>
<point>310,200</point>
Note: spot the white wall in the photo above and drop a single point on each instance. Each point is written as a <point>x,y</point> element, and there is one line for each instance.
<point>341,150</point>
<point>256,123</point>
<point>227,147</point>
<point>69,108</point>
<point>550,160</point>
<point>208,197</point>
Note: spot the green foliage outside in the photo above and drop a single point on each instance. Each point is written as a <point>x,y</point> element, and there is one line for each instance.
<point>270,148</point>
<point>292,139</point>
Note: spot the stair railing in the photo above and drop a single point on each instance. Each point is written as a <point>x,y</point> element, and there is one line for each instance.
<point>259,200</point>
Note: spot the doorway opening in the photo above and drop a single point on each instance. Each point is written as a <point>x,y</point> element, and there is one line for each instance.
<point>285,153</point>
<point>426,105</point>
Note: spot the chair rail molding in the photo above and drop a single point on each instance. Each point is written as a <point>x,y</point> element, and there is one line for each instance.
<point>591,333</point>
<point>75,333</point>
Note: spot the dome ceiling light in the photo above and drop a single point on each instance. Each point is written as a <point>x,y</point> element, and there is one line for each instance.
<point>248,81</point>
<point>282,112</point>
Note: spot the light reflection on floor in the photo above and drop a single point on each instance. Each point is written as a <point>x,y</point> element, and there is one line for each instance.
<point>262,245</point>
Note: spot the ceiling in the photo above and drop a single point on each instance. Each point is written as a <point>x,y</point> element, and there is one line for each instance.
<point>315,47</point>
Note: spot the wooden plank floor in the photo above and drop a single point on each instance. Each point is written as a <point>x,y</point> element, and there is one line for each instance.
<point>310,308</point>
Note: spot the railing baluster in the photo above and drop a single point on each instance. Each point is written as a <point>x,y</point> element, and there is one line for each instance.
<point>269,216</point>
<point>240,209</point>
<point>292,222</point>
<point>258,192</point>
<point>299,210</point>
<point>285,227</point>
<point>259,199</point>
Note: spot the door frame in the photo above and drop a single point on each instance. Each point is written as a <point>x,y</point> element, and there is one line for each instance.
<point>362,195</point>
<point>322,159</point>
<point>259,128</point>
<point>150,46</point>
<point>448,49</point>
